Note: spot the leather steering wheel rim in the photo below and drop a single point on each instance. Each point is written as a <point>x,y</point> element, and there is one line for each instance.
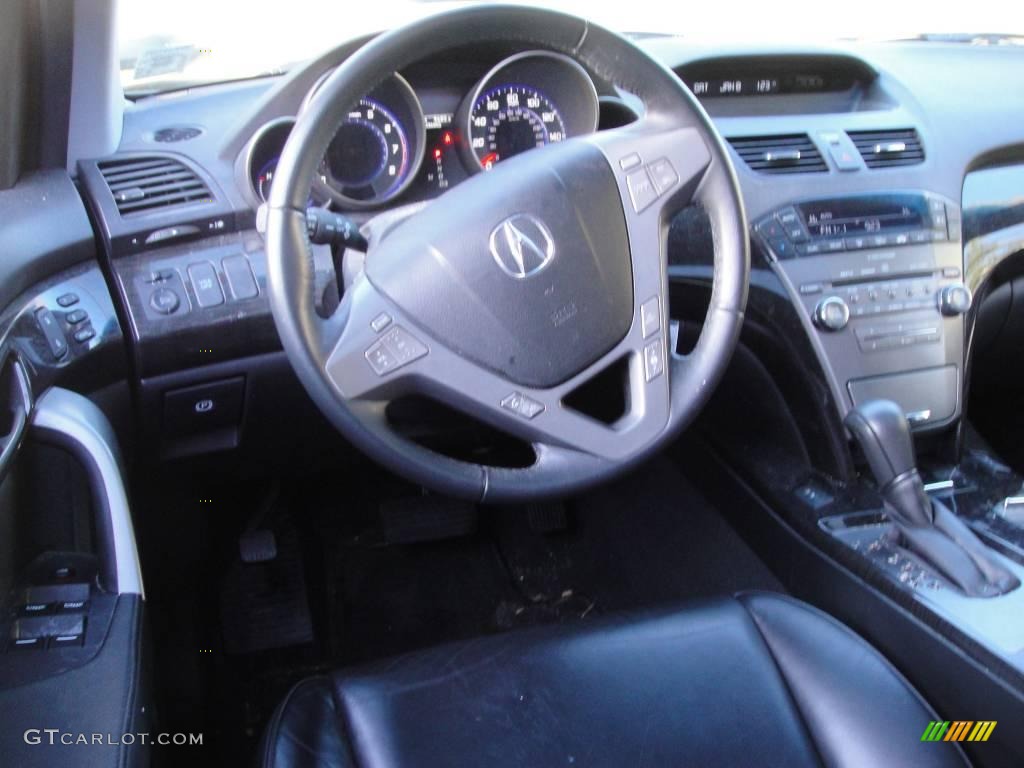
<point>331,356</point>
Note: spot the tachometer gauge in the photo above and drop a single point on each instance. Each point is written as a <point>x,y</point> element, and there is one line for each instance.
<point>509,119</point>
<point>529,100</point>
<point>369,157</point>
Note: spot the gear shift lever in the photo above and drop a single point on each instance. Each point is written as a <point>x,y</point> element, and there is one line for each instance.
<point>927,527</point>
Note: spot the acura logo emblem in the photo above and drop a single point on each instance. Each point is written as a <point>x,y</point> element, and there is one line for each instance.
<point>522,246</point>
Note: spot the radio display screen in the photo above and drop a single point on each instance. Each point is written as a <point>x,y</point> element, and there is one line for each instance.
<point>864,215</point>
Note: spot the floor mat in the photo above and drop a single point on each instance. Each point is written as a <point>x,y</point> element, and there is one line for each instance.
<point>646,540</point>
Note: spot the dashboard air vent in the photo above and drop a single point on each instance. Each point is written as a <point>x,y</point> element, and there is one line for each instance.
<point>175,133</point>
<point>888,149</point>
<point>793,153</point>
<point>141,184</point>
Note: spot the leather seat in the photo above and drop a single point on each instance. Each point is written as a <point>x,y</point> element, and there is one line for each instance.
<point>758,679</point>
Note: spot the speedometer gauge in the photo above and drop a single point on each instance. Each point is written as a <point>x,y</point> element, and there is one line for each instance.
<point>509,119</point>
<point>528,100</point>
<point>369,157</point>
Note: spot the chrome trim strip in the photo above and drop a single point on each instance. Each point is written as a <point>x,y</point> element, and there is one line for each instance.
<point>84,429</point>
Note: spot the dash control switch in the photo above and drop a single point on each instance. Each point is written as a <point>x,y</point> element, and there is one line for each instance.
<point>205,407</point>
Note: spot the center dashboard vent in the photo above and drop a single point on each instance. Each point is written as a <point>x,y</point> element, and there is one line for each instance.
<point>888,149</point>
<point>140,184</point>
<point>792,153</point>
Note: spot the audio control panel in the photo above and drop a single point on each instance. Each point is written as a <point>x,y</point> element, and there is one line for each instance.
<point>882,298</point>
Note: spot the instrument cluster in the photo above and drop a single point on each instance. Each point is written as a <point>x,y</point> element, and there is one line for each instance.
<point>388,145</point>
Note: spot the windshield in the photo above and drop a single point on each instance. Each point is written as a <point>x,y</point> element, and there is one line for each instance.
<point>190,42</point>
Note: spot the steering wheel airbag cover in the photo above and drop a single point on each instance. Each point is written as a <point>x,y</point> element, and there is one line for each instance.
<point>536,296</point>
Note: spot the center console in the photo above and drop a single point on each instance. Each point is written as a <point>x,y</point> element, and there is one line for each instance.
<point>877,281</point>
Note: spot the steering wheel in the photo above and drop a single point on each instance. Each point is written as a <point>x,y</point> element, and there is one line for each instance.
<point>522,284</point>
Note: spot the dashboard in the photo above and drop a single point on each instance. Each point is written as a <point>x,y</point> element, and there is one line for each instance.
<point>391,147</point>
<point>851,162</point>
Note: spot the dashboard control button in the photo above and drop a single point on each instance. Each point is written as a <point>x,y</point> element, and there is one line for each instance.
<point>380,322</point>
<point>770,229</point>
<point>856,243</point>
<point>833,246</point>
<point>811,249</point>
<point>83,335</point>
<point>238,272</point>
<point>951,272</point>
<point>921,236</point>
<point>650,316</point>
<point>521,405</point>
<point>630,161</point>
<point>171,233</point>
<point>641,190</point>
<point>205,284</point>
<point>845,158</point>
<point>654,360</point>
<point>831,314</point>
<point>204,407</point>
<point>165,301</point>
<point>55,338</point>
<point>67,300</point>
<point>954,299</point>
<point>27,644</point>
<point>663,175</point>
<point>809,289</point>
<point>76,316</point>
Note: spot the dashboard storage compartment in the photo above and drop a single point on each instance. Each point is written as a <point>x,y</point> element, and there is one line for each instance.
<point>925,396</point>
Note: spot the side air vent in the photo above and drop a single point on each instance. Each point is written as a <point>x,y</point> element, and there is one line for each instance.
<point>794,153</point>
<point>141,184</point>
<point>888,149</point>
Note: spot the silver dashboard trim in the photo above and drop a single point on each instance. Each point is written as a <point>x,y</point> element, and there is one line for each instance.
<point>83,428</point>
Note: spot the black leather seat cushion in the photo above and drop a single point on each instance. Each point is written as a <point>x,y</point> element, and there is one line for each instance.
<point>760,679</point>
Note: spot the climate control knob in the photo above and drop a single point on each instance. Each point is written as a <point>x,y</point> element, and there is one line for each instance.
<point>954,299</point>
<point>831,314</point>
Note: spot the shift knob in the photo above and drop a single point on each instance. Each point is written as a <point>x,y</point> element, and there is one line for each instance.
<point>882,430</point>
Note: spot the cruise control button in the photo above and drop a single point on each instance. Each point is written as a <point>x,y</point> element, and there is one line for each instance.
<point>641,190</point>
<point>522,405</point>
<point>663,174</point>
<point>654,361</point>
<point>67,299</point>
<point>630,161</point>
<point>76,316</point>
<point>650,316</point>
<point>380,322</point>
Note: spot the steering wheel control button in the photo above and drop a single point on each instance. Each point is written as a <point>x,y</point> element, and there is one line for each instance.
<point>165,301</point>
<point>654,360</point>
<point>67,300</point>
<point>55,338</point>
<point>630,161</point>
<point>205,283</point>
<point>521,405</point>
<point>394,349</point>
<point>831,314</point>
<point>642,191</point>
<point>650,316</point>
<point>76,316</point>
<point>380,322</point>
<point>663,175</point>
